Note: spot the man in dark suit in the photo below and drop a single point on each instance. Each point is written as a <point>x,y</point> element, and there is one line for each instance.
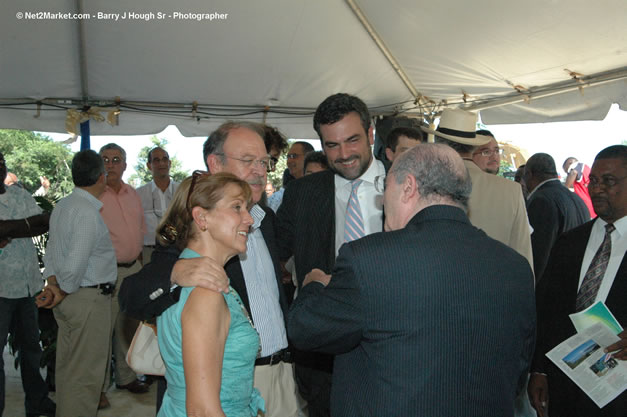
<point>551,207</point>
<point>312,220</point>
<point>238,148</point>
<point>593,253</point>
<point>422,322</point>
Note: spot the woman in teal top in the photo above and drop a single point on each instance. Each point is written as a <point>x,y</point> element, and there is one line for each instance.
<point>207,340</point>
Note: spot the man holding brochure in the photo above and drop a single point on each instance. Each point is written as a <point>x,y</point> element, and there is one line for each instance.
<point>587,264</point>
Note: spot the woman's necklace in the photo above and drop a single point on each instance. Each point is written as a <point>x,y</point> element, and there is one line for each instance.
<point>245,312</point>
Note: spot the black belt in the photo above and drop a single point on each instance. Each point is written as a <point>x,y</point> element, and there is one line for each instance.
<point>283,355</point>
<point>126,265</point>
<point>150,246</point>
<point>105,288</point>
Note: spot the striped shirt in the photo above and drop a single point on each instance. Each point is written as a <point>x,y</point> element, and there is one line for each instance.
<point>79,252</point>
<point>263,292</point>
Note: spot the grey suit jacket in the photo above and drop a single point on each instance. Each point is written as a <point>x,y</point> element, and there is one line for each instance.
<point>423,323</point>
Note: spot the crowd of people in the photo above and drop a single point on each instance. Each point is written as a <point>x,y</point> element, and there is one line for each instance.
<point>422,284</point>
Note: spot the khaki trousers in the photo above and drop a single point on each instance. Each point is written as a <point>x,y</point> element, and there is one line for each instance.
<point>83,346</point>
<point>278,388</point>
<point>123,330</point>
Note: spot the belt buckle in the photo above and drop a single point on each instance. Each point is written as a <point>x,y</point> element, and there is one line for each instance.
<point>107,289</point>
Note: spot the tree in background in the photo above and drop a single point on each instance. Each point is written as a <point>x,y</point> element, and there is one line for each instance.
<point>31,156</point>
<point>143,175</point>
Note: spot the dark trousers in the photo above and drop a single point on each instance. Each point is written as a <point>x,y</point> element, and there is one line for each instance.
<point>314,386</point>
<point>19,315</point>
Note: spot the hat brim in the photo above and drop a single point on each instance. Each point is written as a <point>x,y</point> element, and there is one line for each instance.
<point>476,141</point>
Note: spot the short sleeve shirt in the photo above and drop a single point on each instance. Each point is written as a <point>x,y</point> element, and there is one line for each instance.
<point>20,276</point>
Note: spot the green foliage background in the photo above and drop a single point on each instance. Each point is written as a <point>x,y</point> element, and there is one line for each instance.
<point>143,176</point>
<point>30,155</point>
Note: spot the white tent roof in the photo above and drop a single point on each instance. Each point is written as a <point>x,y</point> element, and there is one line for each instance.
<point>519,61</point>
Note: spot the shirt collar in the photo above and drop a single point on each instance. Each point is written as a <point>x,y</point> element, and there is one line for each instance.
<point>375,169</point>
<point>620,225</point>
<point>540,185</point>
<point>257,214</point>
<point>153,186</point>
<point>89,197</point>
<point>123,189</point>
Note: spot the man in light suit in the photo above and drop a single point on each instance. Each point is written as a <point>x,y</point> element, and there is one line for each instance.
<point>559,292</point>
<point>496,205</point>
<point>417,333</point>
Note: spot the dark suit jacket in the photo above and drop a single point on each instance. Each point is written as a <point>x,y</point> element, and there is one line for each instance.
<point>552,210</point>
<point>136,289</point>
<point>556,295</point>
<point>422,321</point>
<point>306,223</point>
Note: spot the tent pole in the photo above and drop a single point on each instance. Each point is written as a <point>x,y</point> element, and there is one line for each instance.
<point>82,57</point>
<point>384,49</point>
<point>85,136</point>
<point>550,90</point>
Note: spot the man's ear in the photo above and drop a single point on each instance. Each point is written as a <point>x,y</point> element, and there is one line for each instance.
<point>214,164</point>
<point>389,154</point>
<point>371,135</point>
<point>409,189</point>
<point>149,166</point>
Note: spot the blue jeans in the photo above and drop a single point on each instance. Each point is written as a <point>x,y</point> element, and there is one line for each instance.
<point>20,316</point>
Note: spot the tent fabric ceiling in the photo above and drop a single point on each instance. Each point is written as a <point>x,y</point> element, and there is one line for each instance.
<point>291,54</point>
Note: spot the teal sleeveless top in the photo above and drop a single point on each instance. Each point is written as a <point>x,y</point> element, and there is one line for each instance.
<point>237,395</point>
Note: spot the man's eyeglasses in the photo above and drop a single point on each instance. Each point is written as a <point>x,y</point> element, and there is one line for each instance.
<point>606,181</point>
<point>379,183</point>
<point>115,161</point>
<point>489,152</point>
<point>195,175</point>
<point>265,163</point>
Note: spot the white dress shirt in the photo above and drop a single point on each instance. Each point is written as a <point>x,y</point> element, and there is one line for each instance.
<point>262,288</point>
<point>155,203</point>
<point>370,202</point>
<point>619,246</point>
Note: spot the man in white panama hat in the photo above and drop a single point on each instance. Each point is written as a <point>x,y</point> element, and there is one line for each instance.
<point>496,204</point>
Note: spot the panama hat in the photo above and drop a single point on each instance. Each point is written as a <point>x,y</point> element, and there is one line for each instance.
<point>458,126</point>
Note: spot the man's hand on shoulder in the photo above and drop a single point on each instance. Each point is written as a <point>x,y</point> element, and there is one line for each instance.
<point>200,272</point>
<point>318,276</point>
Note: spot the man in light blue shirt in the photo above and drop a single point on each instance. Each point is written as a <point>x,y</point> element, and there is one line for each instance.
<point>81,270</point>
<point>20,280</point>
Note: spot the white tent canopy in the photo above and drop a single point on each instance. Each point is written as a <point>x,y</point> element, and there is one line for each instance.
<point>276,60</point>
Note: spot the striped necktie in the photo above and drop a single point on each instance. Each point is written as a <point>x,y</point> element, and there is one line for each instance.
<point>354,226</point>
<point>594,275</point>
